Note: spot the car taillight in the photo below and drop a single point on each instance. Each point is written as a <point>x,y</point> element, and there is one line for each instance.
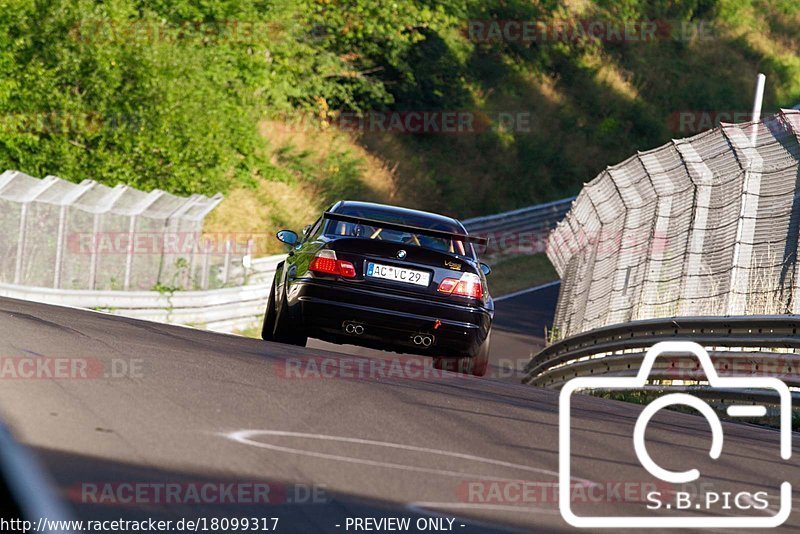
<point>347,269</point>
<point>469,285</point>
<point>325,262</point>
<point>448,285</point>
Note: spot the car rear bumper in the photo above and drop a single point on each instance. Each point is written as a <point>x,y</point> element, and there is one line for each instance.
<point>324,307</point>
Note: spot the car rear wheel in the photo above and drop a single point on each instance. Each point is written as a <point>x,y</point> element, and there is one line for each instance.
<point>476,365</point>
<point>480,362</point>
<point>268,330</point>
<point>284,331</point>
<point>277,326</point>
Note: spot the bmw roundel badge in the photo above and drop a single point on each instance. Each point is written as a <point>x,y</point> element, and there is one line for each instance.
<point>401,254</point>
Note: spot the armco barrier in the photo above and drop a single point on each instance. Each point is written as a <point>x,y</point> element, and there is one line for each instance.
<point>530,217</point>
<point>522,231</point>
<point>220,310</point>
<point>763,345</point>
<point>223,310</point>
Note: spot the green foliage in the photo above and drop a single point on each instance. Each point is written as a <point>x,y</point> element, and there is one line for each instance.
<point>339,175</point>
<point>111,92</point>
<point>513,273</point>
<point>169,93</point>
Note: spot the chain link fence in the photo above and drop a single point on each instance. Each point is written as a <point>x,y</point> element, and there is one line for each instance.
<point>701,226</point>
<point>57,234</point>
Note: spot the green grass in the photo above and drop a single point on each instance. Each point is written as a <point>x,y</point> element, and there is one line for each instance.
<point>520,272</point>
<point>253,332</point>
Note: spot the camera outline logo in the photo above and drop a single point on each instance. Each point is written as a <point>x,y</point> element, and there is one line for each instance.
<point>638,382</point>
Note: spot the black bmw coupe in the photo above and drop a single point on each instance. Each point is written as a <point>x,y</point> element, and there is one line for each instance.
<point>388,278</point>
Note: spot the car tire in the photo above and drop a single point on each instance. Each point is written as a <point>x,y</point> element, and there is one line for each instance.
<point>479,363</point>
<point>475,365</point>
<point>284,332</point>
<point>268,329</point>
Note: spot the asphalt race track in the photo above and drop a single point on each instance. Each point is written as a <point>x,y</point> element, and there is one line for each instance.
<point>151,406</point>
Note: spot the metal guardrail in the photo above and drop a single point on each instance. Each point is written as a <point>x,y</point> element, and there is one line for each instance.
<point>220,310</point>
<point>742,345</point>
<point>520,231</point>
<point>524,216</point>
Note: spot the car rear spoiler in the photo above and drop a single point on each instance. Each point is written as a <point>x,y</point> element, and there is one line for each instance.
<point>478,240</point>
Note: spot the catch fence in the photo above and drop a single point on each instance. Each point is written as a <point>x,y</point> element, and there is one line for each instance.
<point>88,236</point>
<point>701,226</point>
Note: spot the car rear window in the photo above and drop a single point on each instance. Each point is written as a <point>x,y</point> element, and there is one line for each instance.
<point>452,246</point>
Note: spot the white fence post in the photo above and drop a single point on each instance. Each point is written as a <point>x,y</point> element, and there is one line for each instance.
<point>126,284</point>
<point>62,223</point>
<point>204,273</point>
<point>23,219</point>
<point>757,102</point>
<point>703,178</point>
<point>93,257</point>
<point>196,236</point>
<point>227,266</point>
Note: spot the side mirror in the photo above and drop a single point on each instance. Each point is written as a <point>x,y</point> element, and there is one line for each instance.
<point>287,236</point>
<point>485,269</point>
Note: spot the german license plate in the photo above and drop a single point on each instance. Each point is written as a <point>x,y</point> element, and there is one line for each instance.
<point>398,274</point>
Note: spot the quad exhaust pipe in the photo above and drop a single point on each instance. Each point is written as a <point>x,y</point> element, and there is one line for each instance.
<point>354,329</point>
<point>423,339</point>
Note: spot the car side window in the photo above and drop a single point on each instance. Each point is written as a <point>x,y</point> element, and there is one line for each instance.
<point>314,230</point>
